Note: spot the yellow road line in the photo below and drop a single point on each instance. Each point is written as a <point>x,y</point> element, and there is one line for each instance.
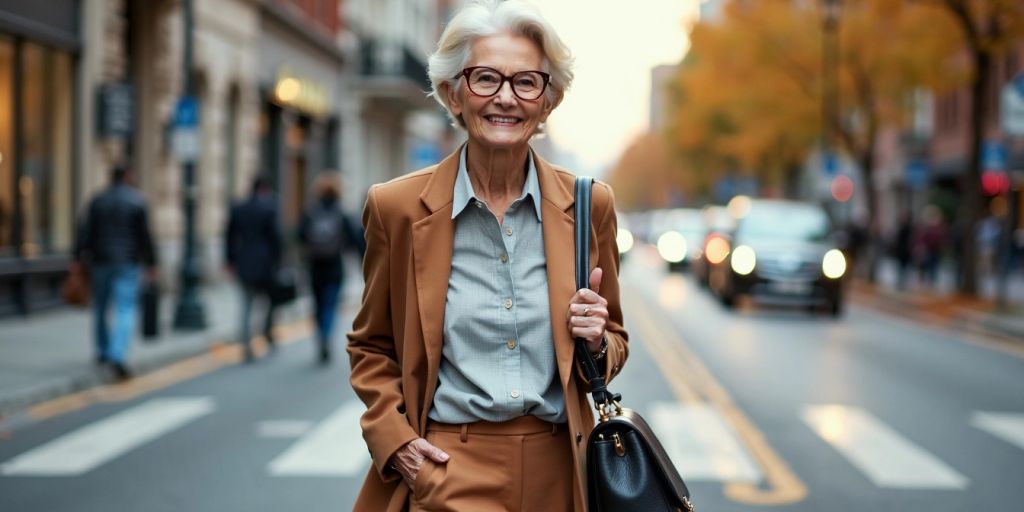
<point>691,379</point>
<point>220,355</point>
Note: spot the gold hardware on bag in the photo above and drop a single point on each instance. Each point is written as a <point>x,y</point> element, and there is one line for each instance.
<point>688,505</point>
<point>605,410</point>
<point>619,449</point>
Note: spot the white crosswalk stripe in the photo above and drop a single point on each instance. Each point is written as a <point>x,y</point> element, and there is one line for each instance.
<point>334,447</point>
<point>701,444</point>
<point>95,444</point>
<point>1006,426</point>
<point>884,456</point>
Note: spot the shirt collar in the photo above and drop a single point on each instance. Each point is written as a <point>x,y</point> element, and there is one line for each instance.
<point>464,193</point>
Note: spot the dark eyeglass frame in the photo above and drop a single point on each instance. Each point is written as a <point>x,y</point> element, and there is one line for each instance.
<point>468,71</point>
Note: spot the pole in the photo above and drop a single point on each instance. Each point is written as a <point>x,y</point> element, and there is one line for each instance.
<point>190,313</point>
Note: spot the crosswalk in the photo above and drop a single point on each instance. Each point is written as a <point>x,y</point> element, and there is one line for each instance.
<point>697,437</point>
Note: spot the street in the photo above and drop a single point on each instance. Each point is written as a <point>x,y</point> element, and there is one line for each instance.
<point>759,408</point>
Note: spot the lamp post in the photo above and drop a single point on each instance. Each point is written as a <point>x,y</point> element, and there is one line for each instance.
<point>829,70</point>
<point>190,313</point>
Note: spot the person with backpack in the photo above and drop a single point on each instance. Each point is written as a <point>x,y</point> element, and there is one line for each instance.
<point>327,233</point>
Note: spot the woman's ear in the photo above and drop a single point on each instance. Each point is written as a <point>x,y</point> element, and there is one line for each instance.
<point>454,99</point>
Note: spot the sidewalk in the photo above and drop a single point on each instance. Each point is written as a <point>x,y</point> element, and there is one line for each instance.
<point>941,303</point>
<point>51,354</point>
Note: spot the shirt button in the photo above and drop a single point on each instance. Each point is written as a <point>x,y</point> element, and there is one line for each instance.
<point>511,344</point>
<point>508,231</point>
<point>504,258</point>
<point>508,303</point>
<point>514,393</point>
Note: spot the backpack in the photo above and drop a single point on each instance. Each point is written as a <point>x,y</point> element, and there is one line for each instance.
<point>325,233</point>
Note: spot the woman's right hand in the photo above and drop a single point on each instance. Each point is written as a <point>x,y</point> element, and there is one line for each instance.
<point>408,460</point>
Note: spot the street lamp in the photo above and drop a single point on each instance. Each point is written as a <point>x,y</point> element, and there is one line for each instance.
<point>829,69</point>
<point>190,313</point>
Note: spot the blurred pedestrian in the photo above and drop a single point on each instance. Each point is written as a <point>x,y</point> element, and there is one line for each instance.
<point>987,242</point>
<point>930,241</point>
<point>115,243</point>
<point>253,254</point>
<point>462,350</point>
<point>326,233</point>
<point>903,247</point>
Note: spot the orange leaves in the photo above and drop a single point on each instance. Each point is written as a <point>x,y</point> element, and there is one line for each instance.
<point>750,89</point>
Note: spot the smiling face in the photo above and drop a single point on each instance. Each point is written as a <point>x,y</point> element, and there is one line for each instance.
<point>502,121</point>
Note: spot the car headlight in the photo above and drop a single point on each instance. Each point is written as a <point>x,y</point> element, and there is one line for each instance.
<point>672,246</point>
<point>743,260</point>
<point>833,265</point>
<point>624,239</point>
<point>716,251</point>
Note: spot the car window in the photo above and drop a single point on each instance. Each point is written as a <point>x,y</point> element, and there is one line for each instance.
<point>789,222</point>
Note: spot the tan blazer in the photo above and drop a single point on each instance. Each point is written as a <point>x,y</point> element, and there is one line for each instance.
<point>395,344</point>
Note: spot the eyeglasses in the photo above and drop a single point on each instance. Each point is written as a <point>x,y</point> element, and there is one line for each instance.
<point>486,82</point>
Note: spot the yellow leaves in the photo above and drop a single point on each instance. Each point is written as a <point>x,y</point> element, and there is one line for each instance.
<point>750,90</point>
<point>645,162</point>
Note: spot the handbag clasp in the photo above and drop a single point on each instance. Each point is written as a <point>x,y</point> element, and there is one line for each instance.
<point>605,409</point>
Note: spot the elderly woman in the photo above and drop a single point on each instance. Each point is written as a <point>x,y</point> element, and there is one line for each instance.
<point>463,348</point>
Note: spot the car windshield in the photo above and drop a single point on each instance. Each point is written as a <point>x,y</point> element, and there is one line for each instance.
<point>785,222</point>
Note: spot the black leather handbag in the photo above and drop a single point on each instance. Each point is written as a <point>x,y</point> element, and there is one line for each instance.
<point>627,468</point>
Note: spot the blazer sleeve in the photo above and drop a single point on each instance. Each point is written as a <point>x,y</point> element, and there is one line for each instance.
<point>606,226</point>
<point>376,373</point>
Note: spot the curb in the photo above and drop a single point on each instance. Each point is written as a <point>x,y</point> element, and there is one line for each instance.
<point>178,347</point>
<point>937,311</point>
<point>91,376</point>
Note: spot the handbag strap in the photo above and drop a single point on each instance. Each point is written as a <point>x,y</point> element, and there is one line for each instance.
<point>598,389</point>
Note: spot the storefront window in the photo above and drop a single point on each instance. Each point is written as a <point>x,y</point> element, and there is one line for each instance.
<point>44,180</point>
<point>32,183</point>
<point>6,147</point>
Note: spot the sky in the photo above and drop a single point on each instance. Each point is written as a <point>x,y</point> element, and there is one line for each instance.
<point>615,44</point>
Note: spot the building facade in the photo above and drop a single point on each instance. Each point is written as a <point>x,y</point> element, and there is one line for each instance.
<point>41,55</point>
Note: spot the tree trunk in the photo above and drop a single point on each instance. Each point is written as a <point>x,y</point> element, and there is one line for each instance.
<point>869,252</point>
<point>970,182</point>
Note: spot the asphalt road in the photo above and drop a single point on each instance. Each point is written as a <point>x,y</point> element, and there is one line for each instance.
<point>762,409</point>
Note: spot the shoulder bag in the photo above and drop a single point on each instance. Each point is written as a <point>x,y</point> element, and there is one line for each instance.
<point>627,468</point>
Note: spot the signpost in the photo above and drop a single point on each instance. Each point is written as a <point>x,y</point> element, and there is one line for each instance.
<point>917,174</point>
<point>185,143</point>
<point>1011,111</point>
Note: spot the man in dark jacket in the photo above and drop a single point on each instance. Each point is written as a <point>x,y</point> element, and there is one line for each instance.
<point>253,253</point>
<point>327,233</point>
<point>115,241</point>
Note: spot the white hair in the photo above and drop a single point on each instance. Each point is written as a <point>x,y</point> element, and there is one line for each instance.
<point>483,18</point>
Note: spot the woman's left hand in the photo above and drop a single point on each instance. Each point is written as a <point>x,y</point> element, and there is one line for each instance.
<point>588,313</point>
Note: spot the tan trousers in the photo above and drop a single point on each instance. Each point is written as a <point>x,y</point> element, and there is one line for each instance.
<point>520,465</point>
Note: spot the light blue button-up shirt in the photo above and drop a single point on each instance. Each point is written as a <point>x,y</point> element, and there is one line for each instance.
<point>498,360</point>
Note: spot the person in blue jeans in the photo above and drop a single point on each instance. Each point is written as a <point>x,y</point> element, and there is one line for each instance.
<point>252,252</point>
<point>327,233</point>
<point>115,242</point>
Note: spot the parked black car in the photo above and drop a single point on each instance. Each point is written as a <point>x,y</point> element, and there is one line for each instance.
<point>782,252</point>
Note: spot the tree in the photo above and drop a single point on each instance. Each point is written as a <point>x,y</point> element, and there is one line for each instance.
<point>647,160</point>
<point>750,90</point>
<point>986,27</point>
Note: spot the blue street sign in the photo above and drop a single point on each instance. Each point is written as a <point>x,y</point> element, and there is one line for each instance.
<point>917,173</point>
<point>831,164</point>
<point>1018,82</point>
<point>993,155</point>
<point>424,154</point>
<point>186,112</point>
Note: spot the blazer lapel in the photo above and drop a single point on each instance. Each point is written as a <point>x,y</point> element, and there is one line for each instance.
<point>432,238</point>
<point>558,235</point>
